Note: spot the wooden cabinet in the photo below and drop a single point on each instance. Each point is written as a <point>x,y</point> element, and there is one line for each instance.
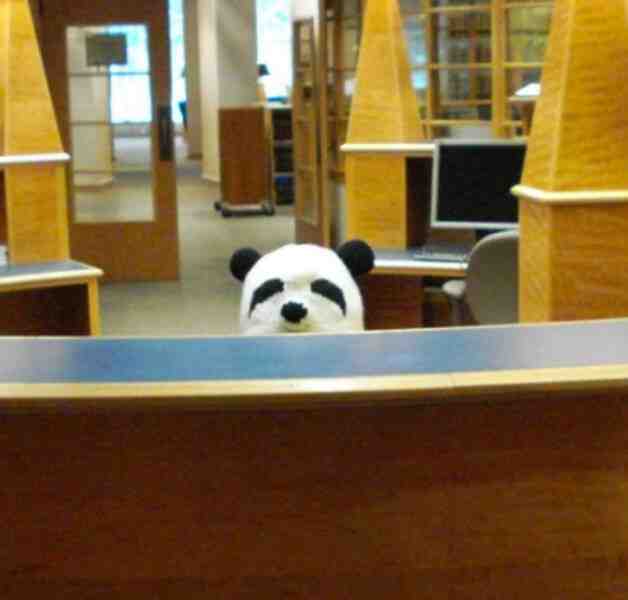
<point>244,160</point>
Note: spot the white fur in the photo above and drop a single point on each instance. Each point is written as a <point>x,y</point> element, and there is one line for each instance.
<point>298,265</point>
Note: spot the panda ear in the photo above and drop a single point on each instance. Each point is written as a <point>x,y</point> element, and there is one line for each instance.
<point>357,256</point>
<point>242,262</point>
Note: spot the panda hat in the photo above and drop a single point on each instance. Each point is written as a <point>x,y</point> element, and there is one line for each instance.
<point>302,288</point>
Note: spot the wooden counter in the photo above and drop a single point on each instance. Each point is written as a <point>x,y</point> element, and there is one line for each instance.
<point>484,462</point>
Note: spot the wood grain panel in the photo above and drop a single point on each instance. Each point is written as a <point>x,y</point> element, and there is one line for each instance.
<point>244,155</point>
<point>37,219</point>
<point>384,107</point>
<point>392,301</point>
<point>60,310</point>
<point>580,125</point>
<point>535,272</point>
<point>3,210</point>
<point>575,265</point>
<point>509,500</point>
<point>30,121</point>
<point>377,199</point>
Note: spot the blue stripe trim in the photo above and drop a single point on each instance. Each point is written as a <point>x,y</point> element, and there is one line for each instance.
<point>102,360</point>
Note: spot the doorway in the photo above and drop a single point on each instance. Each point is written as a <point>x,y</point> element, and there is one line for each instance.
<point>107,58</point>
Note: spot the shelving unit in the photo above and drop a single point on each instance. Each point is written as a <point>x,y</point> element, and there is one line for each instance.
<point>459,55</point>
<point>526,30</point>
<point>281,153</point>
<point>467,59</point>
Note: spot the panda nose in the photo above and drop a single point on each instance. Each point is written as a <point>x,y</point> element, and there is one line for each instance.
<point>293,312</point>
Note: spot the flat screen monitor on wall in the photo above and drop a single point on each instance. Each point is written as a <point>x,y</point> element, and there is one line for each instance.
<point>471,184</point>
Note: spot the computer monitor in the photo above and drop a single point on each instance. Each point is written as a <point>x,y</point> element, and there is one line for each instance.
<point>471,184</point>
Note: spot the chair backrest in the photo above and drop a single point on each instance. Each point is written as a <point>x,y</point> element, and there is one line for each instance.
<point>492,281</point>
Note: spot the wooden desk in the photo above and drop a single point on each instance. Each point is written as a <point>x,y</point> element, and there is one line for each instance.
<point>479,462</point>
<point>393,292</point>
<point>51,298</point>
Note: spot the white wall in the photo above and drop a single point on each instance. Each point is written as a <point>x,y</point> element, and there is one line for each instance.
<point>228,67</point>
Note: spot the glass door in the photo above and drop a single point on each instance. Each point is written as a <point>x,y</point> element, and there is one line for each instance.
<point>310,217</point>
<point>123,186</point>
<point>109,71</point>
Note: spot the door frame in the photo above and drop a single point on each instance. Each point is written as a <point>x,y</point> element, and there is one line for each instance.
<point>306,231</point>
<point>125,251</point>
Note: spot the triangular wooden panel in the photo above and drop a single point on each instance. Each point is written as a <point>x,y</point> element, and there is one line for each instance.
<point>384,108</point>
<point>30,121</point>
<point>579,138</point>
<point>4,31</point>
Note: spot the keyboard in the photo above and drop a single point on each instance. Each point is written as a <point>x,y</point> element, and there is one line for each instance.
<point>442,252</point>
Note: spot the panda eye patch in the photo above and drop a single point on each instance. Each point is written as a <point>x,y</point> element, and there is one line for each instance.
<point>331,291</point>
<point>265,291</point>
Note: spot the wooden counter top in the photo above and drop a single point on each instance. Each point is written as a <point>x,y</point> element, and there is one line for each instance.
<point>461,463</point>
<point>223,372</point>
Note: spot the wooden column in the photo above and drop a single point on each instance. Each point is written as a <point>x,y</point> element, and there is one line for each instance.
<point>574,190</point>
<point>384,111</point>
<point>37,220</point>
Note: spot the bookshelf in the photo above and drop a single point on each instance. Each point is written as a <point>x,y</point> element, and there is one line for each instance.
<point>459,54</point>
<point>525,28</point>
<point>281,153</point>
<point>467,59</point>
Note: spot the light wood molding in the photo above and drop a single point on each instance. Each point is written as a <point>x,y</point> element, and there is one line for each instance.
<point>419,149</point>
<point>33,159</point>
<point>384,106</point>
<point>570,197</point>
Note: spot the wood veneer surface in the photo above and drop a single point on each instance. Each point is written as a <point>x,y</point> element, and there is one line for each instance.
<point>579,139</point>
<point>523,499</point>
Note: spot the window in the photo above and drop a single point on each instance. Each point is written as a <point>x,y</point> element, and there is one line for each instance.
<point>130,83</point>
<point>274,46</point>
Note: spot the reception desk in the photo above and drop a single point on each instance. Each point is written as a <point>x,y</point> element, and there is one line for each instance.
<point>484,462</point>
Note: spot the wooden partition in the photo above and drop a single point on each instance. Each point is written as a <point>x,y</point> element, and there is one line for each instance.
<point>36,206</point>
<point>574,192</point>
<point>42,292</point>
<point>483,463</point>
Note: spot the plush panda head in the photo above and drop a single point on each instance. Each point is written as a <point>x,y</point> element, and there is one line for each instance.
<point>302,288</point>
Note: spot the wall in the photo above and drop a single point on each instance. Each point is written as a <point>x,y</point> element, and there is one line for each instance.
<point>228,68</point>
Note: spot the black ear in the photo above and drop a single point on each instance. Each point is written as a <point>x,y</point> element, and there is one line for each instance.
<point>242,262</point>
<point>358,256</point>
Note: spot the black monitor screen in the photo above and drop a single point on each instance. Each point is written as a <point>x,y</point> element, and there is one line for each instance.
<point>471,183</point>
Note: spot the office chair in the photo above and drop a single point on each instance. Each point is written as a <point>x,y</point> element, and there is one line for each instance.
<point>489,293</point>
